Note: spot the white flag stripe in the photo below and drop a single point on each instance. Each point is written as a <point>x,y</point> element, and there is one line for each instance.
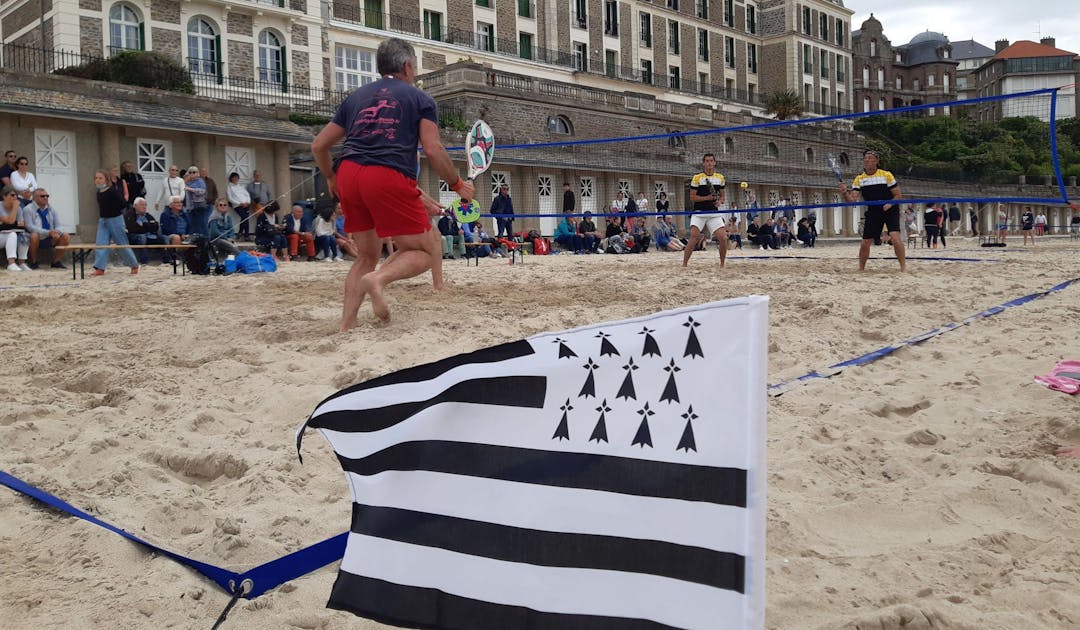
<point>533,429</point>
<point>550,589</point>
<point>696,524</point>
<point>734,309</point>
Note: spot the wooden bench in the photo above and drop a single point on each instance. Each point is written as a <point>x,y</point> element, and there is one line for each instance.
<point>79,252</point>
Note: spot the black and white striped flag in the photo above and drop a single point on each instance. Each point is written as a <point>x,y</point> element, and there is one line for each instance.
<point>607,477</point>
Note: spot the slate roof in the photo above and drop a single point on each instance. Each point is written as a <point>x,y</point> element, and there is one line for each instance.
<point>970,49</point>
<point>137,112</point>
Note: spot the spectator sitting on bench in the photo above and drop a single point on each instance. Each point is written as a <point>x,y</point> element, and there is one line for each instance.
<point>805,234</point>
<point>767,235</point>
<point>222,232</point>
<point>733,231</point>
<point>472,235</point>
<point>452,236</point>
<point>142,229</point>
<point>640,234</point>
<point>753,232</point>
<point>344,243</point>
<point>297,229</point>
<point>9,226</point>
<point>175,226</point>
<point>43,226</point>
<point>324,236</point>
<point>567,236</point>
<point>268,234</point>
<point>666,235</point>
<point>615,237</point>
<point>587,228</point>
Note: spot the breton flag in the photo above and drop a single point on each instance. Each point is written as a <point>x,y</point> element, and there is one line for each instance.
<point>607,477</point>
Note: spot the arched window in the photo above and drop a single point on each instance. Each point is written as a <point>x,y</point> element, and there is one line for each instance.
<point>844,159</point>
<point>772,152</point>
<point>125,28</point>
<point>729,146</point>
<point>271,58</point>
<point>945,81</point>
<point>899,83</point>
<point>873,48</point>
<point>866,75</point>
<point>881,76</point>
<point>915,85</point>
<point>930,78</point>
<point>204,49</point>
<point>809,155</point>
<point>559,125</point>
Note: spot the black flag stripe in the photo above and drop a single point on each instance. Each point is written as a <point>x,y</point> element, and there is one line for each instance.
<point>428,371</point>
<point>507,391</point>
<point>717,569</point>
<point>419,607</point>
<point>586,471</point>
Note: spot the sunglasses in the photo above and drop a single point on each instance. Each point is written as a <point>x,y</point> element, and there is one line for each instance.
<point>42,196</point>
<point>223,205</point>
<point>21,163</point>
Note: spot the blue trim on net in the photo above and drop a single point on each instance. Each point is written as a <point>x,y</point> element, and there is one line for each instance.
<point>1054,148</point>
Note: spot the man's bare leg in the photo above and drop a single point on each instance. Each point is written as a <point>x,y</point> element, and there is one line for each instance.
<point>695,238</point>
<point>898,248</point>
<point>411,258</point>
<point>368,247</point>
<point>436,260</point>
<point>721,236</point>
<point>864,253</point>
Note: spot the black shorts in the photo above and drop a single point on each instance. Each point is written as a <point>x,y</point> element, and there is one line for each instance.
<point>877,217</point>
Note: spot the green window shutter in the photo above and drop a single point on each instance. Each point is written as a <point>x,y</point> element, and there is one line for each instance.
<point>142,35</point>
<point>217,59</point>
<point>284,70</point>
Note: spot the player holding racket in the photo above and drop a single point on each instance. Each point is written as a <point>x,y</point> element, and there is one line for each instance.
<point>875,184</point>
<point>707,193</point>
<point>381,124</point>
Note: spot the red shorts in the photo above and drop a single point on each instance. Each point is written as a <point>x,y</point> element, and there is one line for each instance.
<point>380,198</point>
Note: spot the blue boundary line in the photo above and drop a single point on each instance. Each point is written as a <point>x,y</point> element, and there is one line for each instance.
<point>782,387</point>
<point>291,566</point>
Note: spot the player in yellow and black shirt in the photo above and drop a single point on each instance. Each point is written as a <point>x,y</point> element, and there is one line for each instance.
<point>707,193</point>
<point>875,184</point>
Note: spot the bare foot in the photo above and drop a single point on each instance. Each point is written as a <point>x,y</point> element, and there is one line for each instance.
<point>346,326</point>
<point>1069,451</point>
<point>375,292</point>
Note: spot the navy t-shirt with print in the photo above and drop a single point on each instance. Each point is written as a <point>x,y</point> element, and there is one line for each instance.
<point>382,124</point>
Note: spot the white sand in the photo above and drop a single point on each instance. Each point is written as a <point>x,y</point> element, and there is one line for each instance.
<point>919,490</point>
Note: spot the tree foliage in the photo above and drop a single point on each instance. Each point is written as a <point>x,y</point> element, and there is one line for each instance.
<point>968,150</point>
<point>784,104</point>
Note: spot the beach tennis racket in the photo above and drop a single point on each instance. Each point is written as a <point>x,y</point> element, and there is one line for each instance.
<point>479,148</point>
<point>467,212</point>
<point>834,166</point>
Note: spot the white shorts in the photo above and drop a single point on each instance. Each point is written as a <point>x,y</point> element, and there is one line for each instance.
<point>708,223</point>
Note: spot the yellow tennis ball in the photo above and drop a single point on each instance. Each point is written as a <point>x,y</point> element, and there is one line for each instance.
<point>744,185</point>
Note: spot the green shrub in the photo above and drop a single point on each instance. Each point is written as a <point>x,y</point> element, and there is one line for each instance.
<point>453,121</point>
<point>93,70</point>
<point>150,69</point>
<point>308,120</point>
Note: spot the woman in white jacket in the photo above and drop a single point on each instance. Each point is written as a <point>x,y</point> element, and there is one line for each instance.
<point>23,181</point>
<point>172,186</point>
<point>240,200</point>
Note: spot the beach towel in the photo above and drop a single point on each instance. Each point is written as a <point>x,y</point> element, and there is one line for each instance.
<point>1065,377</point>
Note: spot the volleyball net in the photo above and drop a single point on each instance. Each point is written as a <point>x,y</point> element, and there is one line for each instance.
<point>976,153</point>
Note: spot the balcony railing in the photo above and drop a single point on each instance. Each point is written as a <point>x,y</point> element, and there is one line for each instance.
<point>218,86</point>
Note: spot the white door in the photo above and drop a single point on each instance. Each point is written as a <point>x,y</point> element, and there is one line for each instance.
<point>153,158</point>
<point>546,195</point>
<point>239,160</point>
<point>587,194</point>
<point>54,167</point>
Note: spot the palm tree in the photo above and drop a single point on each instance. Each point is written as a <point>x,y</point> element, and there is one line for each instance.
<point>784,104</point>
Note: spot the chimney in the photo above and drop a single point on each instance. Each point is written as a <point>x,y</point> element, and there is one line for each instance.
<point>1001,45</point>
<point>1048,41</point>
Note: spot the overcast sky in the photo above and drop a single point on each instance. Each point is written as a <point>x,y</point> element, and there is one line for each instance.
<point>984,21</point>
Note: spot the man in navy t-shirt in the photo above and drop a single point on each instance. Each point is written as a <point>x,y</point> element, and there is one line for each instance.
<point>382,124</point>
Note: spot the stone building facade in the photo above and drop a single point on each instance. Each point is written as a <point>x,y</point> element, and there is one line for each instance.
<point>921,72</point>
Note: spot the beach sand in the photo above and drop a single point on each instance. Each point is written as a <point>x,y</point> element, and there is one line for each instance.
<point>916,492</point>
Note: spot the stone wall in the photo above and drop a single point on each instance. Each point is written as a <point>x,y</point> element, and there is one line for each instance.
<point>299,35</point>
<point>31,12</point>
<point>659,45</point>
<point>90,36</point>
<point>167,42</point>
<point>165,11</point>
<point>239,24</point>
<point>90,5</point>
<point>433,61</point>
<point>405,15</point>
<point>241,61</point>
<point>506,26</point>
<point>772,67</point>
<point>461,18</point>
<point>300,70</point>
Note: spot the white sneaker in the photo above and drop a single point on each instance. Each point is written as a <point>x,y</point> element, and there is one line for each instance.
<point>14,267</point>
<point>25,267</point>
<point>339,259</point>
<point>328,259</point>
